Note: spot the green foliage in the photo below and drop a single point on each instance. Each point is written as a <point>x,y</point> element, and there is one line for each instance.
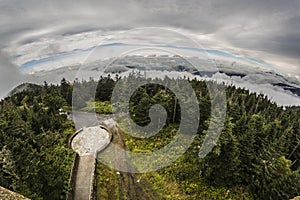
<point>98,107</point>
<point>35,159</point>
<point>256,156</point>
<point>257,150</point>
<point>222,166</point>
<point>104,93</point>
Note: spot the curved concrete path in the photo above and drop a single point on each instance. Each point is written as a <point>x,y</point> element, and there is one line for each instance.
<point>87,142</point>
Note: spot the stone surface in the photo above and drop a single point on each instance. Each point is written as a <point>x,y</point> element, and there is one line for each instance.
<point>296,198</point>
<point>6,194</point>
<point>84,177</point>
<point>89,141</point>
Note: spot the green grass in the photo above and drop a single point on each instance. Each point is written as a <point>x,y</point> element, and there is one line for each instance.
<point>100,107</point>
<point>167,182</point>
<point>170,189</point>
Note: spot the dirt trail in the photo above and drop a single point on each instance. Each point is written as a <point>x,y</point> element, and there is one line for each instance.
<point>129,185</point>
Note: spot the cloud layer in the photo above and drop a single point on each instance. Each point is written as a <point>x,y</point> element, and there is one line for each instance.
<point>269,29</point>
<point>10,77</point>
<point>264,29</point>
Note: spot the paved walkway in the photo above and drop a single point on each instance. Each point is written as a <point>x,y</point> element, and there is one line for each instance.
<point>84,177</point>
<point>87,142</point>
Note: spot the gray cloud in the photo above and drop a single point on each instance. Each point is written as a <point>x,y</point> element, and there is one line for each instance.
<point>270,26</point>
<point>10,77</point>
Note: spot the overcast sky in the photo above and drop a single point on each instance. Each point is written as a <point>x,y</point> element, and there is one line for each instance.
<point>265,29</point>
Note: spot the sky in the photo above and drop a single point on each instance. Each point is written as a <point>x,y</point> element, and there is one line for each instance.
<point>262,29</point>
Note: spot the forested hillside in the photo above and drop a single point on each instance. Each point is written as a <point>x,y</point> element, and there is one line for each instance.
<point>35,160</point>
<point>256,157</point>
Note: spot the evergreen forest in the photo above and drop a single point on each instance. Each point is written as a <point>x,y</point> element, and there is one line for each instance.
<point>256,157</point>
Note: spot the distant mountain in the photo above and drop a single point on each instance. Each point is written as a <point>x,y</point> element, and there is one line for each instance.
<point>234,72</point>
<point>22,87</point>
<point>255,77</point>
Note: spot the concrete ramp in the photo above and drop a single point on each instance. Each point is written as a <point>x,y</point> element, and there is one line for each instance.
<point>87,143</point>
<point>84,178</point>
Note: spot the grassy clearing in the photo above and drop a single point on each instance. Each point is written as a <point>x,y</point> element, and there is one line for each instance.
<point>100,107</point>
